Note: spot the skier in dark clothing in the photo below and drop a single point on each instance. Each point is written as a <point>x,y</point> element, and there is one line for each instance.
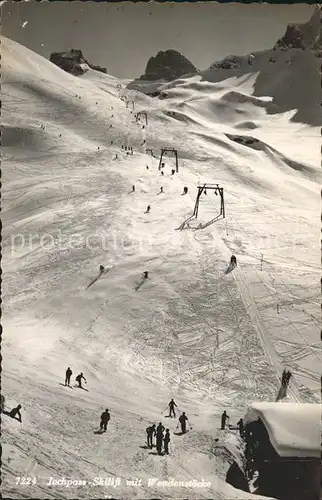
<point>166,442</point>
<point>145,275</point>
<point>69,373</point>
<point>224,418</point>
<point>240,425</point>
<point>171,408</point>
<point>148,208</point>
<point>150,432</point>
<point>102,269</point>
<point>183,419</point>
<point>79,379</point>
<point>105,417</point>
<point>133,188</point>
<point>160,428</point>
<point>159,435</point>
<point>233,260</point>
<point>14,412</point>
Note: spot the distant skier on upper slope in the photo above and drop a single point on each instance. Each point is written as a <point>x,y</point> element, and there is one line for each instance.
<point>233,261</point>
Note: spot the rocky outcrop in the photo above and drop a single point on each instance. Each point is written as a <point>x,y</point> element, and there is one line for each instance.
<point>229,62</point>
<point>73,62</point>
<point>247,141</point>
<point>168,65</point>
<point>303,36</point>
<point>292,39</point>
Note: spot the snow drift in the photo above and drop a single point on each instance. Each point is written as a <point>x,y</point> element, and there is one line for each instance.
<point>294,429</point>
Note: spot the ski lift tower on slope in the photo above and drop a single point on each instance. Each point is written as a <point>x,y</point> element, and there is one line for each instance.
<point>212,187</point>
<point>139,114</point>
<point>169,150</point>
<point>128,102</point>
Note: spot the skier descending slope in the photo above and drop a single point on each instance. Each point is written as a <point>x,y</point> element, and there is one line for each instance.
<point>15,412</point>
<point>166,441</point>
<point>233,261</point>
<point>224,418</point>
<point>182,420</point>
<point>159,434</point>
<point>101,272</point>
<point>105,417</point>
<point>240,426</point>
<point>79,380</point>
<point>69,373</point>
<point>150,432</point>
<point>171,405</point>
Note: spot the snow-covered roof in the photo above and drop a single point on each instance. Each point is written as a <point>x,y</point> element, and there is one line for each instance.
<point>294,429</point>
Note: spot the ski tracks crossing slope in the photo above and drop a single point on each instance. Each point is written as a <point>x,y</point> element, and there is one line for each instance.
<point>246,295</point>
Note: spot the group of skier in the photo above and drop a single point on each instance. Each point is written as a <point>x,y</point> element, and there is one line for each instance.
<point>183,419</point>
<point>78,379</point>
<point>161,438</point>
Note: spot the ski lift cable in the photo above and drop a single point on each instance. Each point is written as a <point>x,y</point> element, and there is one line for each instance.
<point>274,297</point>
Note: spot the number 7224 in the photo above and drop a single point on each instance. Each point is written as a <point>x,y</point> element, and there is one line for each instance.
<point>26,481</point>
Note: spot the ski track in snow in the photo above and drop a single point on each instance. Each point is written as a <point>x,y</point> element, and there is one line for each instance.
<point>211,340</point>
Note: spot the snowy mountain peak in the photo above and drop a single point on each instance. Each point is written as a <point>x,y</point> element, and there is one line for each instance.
<point>168,65</point>
<point>74,62</point>
<point>303,36</point>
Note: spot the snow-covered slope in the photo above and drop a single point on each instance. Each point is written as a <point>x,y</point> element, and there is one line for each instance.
<point>277,75</point>
<point>211,340</point>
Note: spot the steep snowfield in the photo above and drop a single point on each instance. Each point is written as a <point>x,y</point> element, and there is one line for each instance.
<point>211,340</point>
<point>278,76</point>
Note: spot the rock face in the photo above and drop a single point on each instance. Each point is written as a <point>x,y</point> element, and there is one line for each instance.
<point>229,62</point>
<point>168,65</point>
<point>303,36</point>
<point>73,62</point>
<point>248,141</point>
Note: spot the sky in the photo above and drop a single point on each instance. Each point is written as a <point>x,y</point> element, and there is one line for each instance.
<point>123,36</point>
